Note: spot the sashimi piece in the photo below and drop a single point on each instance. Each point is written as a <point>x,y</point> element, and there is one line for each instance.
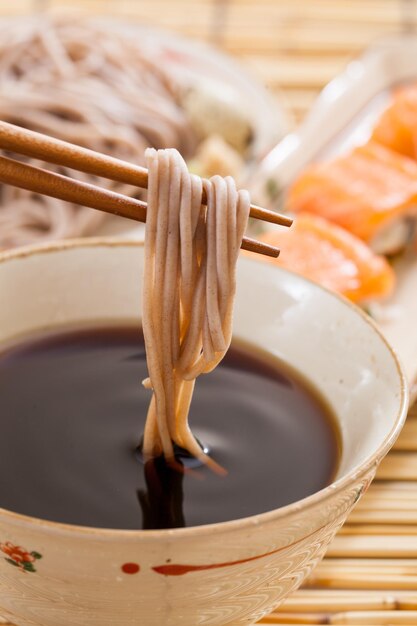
<point>367,191</point>
<point>332,257</point>
<point>397,126</point>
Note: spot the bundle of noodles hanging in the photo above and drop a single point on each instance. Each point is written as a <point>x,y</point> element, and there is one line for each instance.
<point>81,83</point>
<point>189,286</point>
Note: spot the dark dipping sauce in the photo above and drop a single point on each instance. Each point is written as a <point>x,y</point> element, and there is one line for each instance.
<point>73,410</point>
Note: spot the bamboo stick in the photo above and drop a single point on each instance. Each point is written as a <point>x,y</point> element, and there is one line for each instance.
<point>382,564</point>
<point>319,600</point>
<point>334,40</point>
<point>359,573</point>
<point>371,501</point>
<point>354,619</point>
<point>378,527</point>
<point>393,487</point>
<point>321,12</point>
<point>412,412</point>
<point>400,546</point>
<point>399,466</point>
<point>292,618</point>
<point>300,11</point>
<point>402,492</point>
<point>294,72</point>
<point>400,517</point>
<point>381,504</point>
<point>383,501</point>
<point>408,437</point>
<point>353,580</point>
<point>375,617</point>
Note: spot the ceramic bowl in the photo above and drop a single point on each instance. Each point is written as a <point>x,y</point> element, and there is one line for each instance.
<point>230,573</point>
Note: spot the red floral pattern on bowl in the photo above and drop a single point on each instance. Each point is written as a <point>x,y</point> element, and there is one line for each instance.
<point>19,557</point>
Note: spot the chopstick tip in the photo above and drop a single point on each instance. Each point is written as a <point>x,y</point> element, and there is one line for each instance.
<point>266,215</point>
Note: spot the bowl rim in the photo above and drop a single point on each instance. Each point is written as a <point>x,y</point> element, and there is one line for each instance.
<point>318,497</point>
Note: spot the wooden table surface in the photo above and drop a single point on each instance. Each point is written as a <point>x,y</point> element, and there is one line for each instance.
<point>296,46</point>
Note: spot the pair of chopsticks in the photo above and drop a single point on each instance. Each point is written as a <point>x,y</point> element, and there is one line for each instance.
<point>39,146</point>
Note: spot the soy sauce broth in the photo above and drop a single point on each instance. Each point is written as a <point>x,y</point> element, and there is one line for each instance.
<point>73,410</point>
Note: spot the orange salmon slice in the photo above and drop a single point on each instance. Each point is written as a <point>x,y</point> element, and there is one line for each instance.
<point>397,126</point>
<point>332,257</point>
<point>365,191</point>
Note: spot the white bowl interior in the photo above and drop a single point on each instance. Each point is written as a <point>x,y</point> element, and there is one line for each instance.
<point>325,339</point>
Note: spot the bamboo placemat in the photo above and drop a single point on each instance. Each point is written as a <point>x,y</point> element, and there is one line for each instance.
<point>294,46</point>
<point>369,575</point>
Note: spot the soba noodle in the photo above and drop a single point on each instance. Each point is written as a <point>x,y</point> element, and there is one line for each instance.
<point>189,286</point>
<point>91,86</point>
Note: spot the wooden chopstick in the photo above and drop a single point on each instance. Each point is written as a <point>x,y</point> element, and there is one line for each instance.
<point>68,189</point>
<point>51,150</point>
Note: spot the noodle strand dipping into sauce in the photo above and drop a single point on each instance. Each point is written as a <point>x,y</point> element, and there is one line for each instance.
<point>189,286</point>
